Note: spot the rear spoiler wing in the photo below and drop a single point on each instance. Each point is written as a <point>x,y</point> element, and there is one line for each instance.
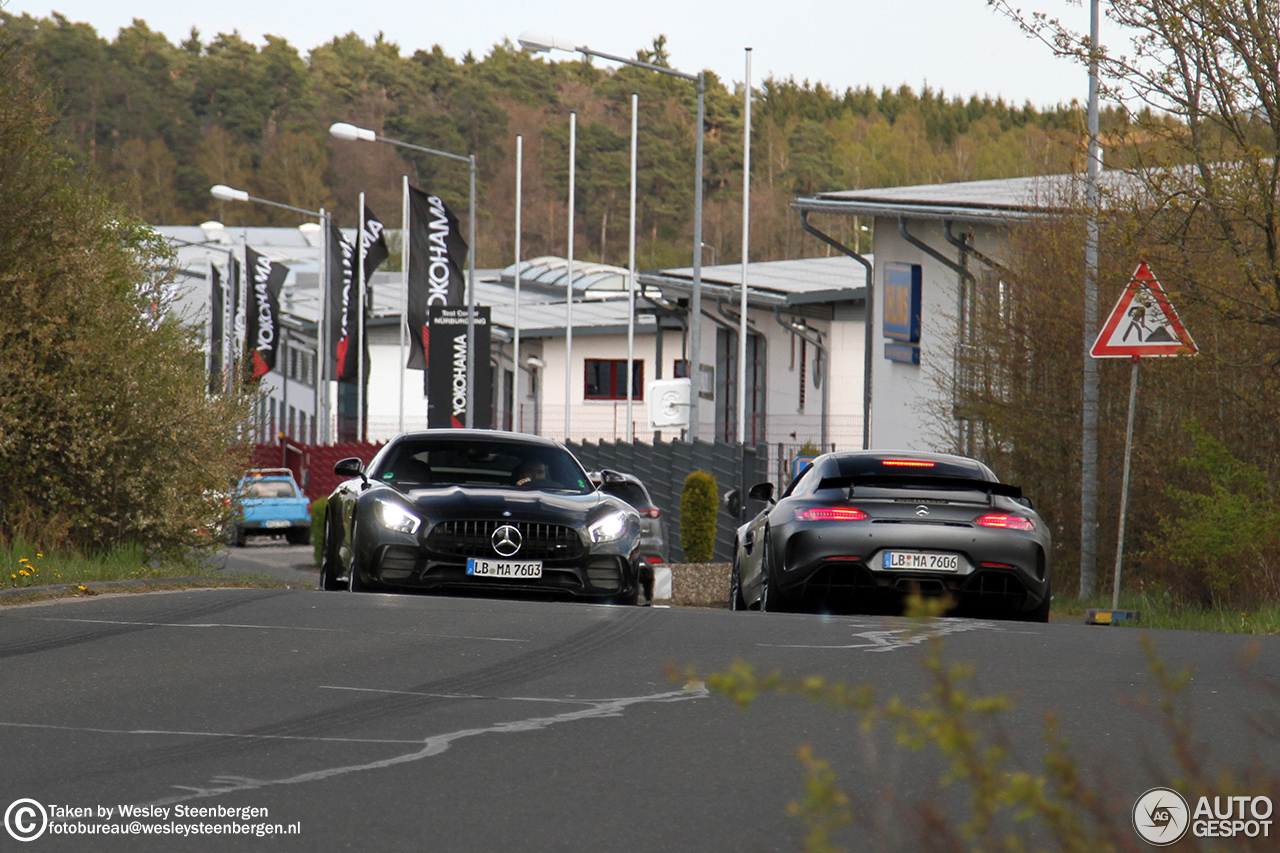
<point>899,481</point>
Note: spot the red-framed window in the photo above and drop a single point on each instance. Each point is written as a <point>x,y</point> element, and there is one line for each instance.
<point>605,379</point>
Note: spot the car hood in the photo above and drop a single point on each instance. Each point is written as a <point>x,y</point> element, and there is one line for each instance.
<point>458,502</point>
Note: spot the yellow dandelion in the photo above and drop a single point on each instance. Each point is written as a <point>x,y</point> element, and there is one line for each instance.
<point>24,572</point>
<point>15,577</point>
<point>38,554</point>
<point>24,560</point>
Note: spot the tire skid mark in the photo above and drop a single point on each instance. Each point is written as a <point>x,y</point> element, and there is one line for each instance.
<point>601,634</point>
<point>89,635</point>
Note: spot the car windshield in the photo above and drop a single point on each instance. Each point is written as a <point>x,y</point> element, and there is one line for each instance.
<point>632,493</point>
<point>433,462</point>
<point>269,489</point>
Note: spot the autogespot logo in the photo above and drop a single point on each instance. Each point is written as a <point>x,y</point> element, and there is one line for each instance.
<point>26,820</point>
<point>1161,817</point>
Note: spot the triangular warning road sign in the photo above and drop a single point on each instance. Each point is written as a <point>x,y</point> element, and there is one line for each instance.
<point>1143,323</point>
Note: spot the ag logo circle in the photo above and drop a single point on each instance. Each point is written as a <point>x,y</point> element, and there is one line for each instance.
<point>26,820</point>
<point>1161,816</point>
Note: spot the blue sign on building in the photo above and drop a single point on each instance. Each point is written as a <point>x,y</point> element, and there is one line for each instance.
<point>902,285</point>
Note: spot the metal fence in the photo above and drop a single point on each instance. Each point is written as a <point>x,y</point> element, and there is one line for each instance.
<point>663,466</point>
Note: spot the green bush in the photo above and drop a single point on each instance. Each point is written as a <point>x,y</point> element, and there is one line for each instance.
<point>1222,542</point>
<point>698,505</point>
<point>317,525</point>
<point>108,436</point>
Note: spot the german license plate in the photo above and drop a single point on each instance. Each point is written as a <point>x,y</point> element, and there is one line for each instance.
<point>504,568</point>
<point>922,561</point>
<point>275,522</point>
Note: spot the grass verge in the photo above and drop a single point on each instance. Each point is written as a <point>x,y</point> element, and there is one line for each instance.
<point>52,573</point>
<point>1157,611</point>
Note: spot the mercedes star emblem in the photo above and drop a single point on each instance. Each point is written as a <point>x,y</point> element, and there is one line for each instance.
<point>922,510</point>
<point>506,541</point>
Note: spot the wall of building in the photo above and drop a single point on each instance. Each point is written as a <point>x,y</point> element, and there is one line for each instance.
<point>911,404</point>
<point>594,420</point>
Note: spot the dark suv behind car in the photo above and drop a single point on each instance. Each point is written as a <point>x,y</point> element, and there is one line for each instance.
<point>653,531</point>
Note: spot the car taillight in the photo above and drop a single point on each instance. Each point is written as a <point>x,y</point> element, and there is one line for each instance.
<point>652,513</point>
<point>1006,522</point>
<point>906,463</point>
<point>830,513</point>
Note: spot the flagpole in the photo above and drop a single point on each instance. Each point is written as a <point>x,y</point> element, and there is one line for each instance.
<point>404,289</point>
<point>568,322</point>
<point>515,352</point>
<point>472,355</point>
<point>746,256</point>
<point>360,429</point>
<point>631,272</point>
<point>323,433</point>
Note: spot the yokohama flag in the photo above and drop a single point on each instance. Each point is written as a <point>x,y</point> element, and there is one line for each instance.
<point>217,301</point>
<point>338,295</point>
<point>262,310</point>
<point>348,341</point>
<point>437,255</point>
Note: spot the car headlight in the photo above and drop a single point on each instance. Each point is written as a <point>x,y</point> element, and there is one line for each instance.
<point>608,527</point>
<point>397,518</point>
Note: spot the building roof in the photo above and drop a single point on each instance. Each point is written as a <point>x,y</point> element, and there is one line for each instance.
<point>992,201</point>
<point>781,283</point>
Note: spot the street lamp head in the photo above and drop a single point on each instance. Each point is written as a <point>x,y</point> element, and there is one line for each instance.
<point>351,133</point>
<point>213,230</point>
<point>311,233</point>
<point>543,44</point>
<point>226,193</point>
<point>535,362</point>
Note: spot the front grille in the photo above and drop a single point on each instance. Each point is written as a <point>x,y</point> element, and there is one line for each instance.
<point>475,539</point>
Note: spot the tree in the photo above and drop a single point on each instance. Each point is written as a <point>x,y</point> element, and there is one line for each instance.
<point>1200,89</point>
<point>106,433</point>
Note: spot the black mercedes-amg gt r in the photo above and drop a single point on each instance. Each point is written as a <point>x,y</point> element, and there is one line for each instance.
<point>862,528</point>
<point>479,511</point>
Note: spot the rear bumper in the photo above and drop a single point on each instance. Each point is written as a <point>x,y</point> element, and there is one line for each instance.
<point>826,562</point>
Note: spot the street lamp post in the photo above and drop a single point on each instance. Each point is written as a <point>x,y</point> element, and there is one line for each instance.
<point>351,133</point>
<point>226,193</point>
<point>532,41</point>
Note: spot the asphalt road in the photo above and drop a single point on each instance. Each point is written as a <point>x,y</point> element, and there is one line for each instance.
<point>271,556</point>
<point>382,722</point>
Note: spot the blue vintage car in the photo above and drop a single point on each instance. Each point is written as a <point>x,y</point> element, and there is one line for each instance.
<point>272,503</point>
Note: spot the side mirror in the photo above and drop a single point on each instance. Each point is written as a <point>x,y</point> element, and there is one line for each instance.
<point>733,502</point>
<point>349,467</point>
<point>761,492</point>
<point>607,476</point>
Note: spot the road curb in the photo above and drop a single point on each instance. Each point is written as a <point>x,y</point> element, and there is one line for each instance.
<point>137,584</point>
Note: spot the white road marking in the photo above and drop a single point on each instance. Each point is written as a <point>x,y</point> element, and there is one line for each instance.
<point>432,746</point>
<point>892,639</point>
<point>266,628</point>
<point>202,734</point>
<point>460,695</point>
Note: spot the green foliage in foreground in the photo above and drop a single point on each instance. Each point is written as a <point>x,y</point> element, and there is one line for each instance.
<point>1007,808</point>
<point>24,565</point>
<point>317,525</point>
<point>107,433</point>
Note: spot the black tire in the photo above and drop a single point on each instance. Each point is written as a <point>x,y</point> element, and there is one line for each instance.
<point>1040,613</point>
<point>736,601</point>
<point>768,599</point>
<point>357,583</point>
<point>329,560</point>
<point>239,538</point>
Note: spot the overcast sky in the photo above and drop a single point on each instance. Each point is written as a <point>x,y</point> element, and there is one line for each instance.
<point>960,46</point>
